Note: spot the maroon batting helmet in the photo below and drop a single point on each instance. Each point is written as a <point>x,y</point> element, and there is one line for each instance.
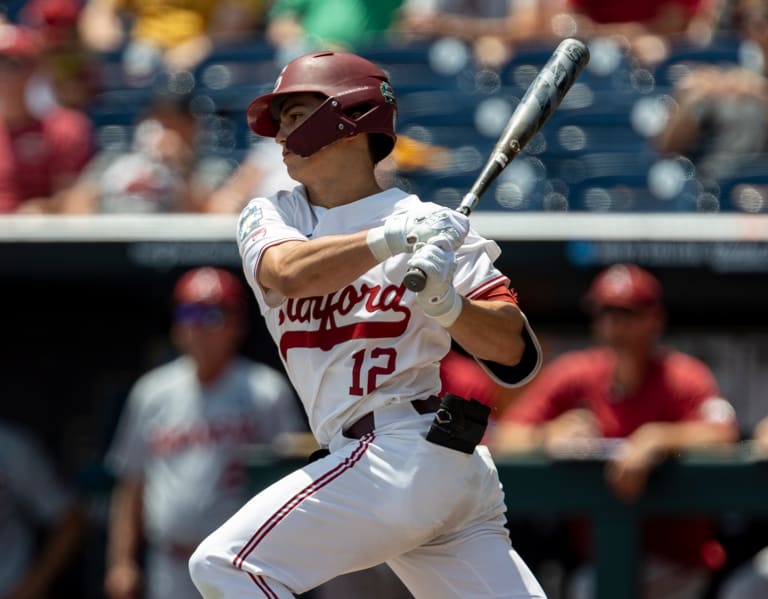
<point>359,99</point>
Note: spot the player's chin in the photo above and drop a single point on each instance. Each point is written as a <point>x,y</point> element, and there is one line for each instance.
<point>294,161</point>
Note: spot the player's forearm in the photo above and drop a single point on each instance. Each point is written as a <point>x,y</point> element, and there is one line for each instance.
<point>490,330</point>
<point>673,437</point>
<point>514,437</point>
<point>316,267</point>
<point>56,553</point>
<point>125,524</point>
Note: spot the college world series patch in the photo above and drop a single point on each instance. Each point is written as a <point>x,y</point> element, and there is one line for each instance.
<point>249,223</point>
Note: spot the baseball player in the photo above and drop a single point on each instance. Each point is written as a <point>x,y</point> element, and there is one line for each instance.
<point>177,450</point>
<point>42,522</point>
<point>404,481</point>
<point>639,402</point>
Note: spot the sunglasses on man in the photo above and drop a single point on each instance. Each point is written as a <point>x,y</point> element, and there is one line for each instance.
<point>203,315</point>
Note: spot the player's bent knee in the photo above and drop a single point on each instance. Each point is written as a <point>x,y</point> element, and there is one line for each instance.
<point>207,570</point>
<point>212,575</point>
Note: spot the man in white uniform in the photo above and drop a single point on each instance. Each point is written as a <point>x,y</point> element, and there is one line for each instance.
<point>34,499</point>
<point>404,481</point>
<point>177,453</point>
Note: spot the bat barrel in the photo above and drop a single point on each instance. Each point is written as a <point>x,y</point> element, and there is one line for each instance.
<point>543,96</point>
<point>539,102</point>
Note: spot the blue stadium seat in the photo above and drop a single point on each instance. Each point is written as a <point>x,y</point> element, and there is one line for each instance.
<point>423,65</point>
<point>746,189</point>
<point>722,51</point>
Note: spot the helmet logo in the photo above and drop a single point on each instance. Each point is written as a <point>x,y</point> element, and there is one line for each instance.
<point>387,92</point>
<point>279,79</point>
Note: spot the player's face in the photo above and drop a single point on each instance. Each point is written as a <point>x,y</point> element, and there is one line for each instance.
<point>625,329</point>
<point>294,111</point>
<point>207,333</point>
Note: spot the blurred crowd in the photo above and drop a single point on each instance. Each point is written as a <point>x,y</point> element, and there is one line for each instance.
<point>124,107</point>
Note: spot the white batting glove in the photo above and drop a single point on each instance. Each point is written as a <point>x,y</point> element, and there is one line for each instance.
<point>407,232</point>
<point>439,300</point>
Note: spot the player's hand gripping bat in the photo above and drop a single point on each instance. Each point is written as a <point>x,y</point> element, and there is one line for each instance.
<point>541,99</point>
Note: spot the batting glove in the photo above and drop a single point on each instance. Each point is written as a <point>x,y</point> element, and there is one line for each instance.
<point>407,232</point>
<point>439,300</point>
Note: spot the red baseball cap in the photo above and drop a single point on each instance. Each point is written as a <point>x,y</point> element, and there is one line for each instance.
<point>51,13</point>
<point>19,42</point>
<point>624,286</point>
<point>210,286</point>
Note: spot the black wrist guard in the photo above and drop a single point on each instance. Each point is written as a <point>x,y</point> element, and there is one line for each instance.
<point>459,423</point>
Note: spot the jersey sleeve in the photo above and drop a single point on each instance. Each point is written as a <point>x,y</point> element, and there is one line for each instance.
<point>128,452</point>
<point>261,225</point>
<point>477,278</point>
<point>552,393</point>
<point>699,393</point>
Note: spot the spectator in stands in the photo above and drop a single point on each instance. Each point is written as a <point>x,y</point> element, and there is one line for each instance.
<point>295,27</point>
<point>261,173</point>
<point>493,27</point>
<point>166,36</point>
<point>157,174</point>
<point>69,71</point>
<point>635,402</point>
<point>42,523</point>
<point>646,28</point>
<point>750,580</point>
<point>720,119</point>
<point>178,450</point>
<point>40,155</point>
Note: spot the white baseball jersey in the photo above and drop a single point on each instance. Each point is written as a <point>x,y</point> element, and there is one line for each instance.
<point>31,495</point>
<point>185,441</point>
<point>434,514</point>
<point>367,344</point>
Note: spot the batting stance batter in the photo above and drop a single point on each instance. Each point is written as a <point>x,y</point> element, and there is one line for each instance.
<point>404,481</point>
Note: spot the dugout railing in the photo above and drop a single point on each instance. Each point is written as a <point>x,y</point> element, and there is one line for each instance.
<point>693,483</point>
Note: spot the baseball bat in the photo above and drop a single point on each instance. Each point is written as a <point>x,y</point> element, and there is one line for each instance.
<point>542,97</point>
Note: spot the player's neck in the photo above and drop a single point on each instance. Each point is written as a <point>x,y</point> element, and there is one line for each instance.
<point>341,191</point>
<point>209,372</point>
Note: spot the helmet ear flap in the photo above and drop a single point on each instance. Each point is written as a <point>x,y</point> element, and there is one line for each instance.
<point>341,116</point>
<point>325,125</point>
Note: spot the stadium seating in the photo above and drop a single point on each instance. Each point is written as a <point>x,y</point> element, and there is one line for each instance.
<point>594,154</point>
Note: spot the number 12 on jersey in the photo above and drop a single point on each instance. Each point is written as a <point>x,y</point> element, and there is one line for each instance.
<point>380,362</point>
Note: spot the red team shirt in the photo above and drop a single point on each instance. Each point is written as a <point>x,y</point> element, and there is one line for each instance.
<point>611,11</point>
<point>37,158</point>
<point>677,389</point>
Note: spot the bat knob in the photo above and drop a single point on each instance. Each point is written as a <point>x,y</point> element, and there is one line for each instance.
<point>415,279</point>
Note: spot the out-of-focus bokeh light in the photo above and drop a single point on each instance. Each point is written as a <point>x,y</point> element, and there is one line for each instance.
<point>750,198</point>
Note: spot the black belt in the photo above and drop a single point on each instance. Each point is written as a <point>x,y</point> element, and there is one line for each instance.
<point>366,424</point>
